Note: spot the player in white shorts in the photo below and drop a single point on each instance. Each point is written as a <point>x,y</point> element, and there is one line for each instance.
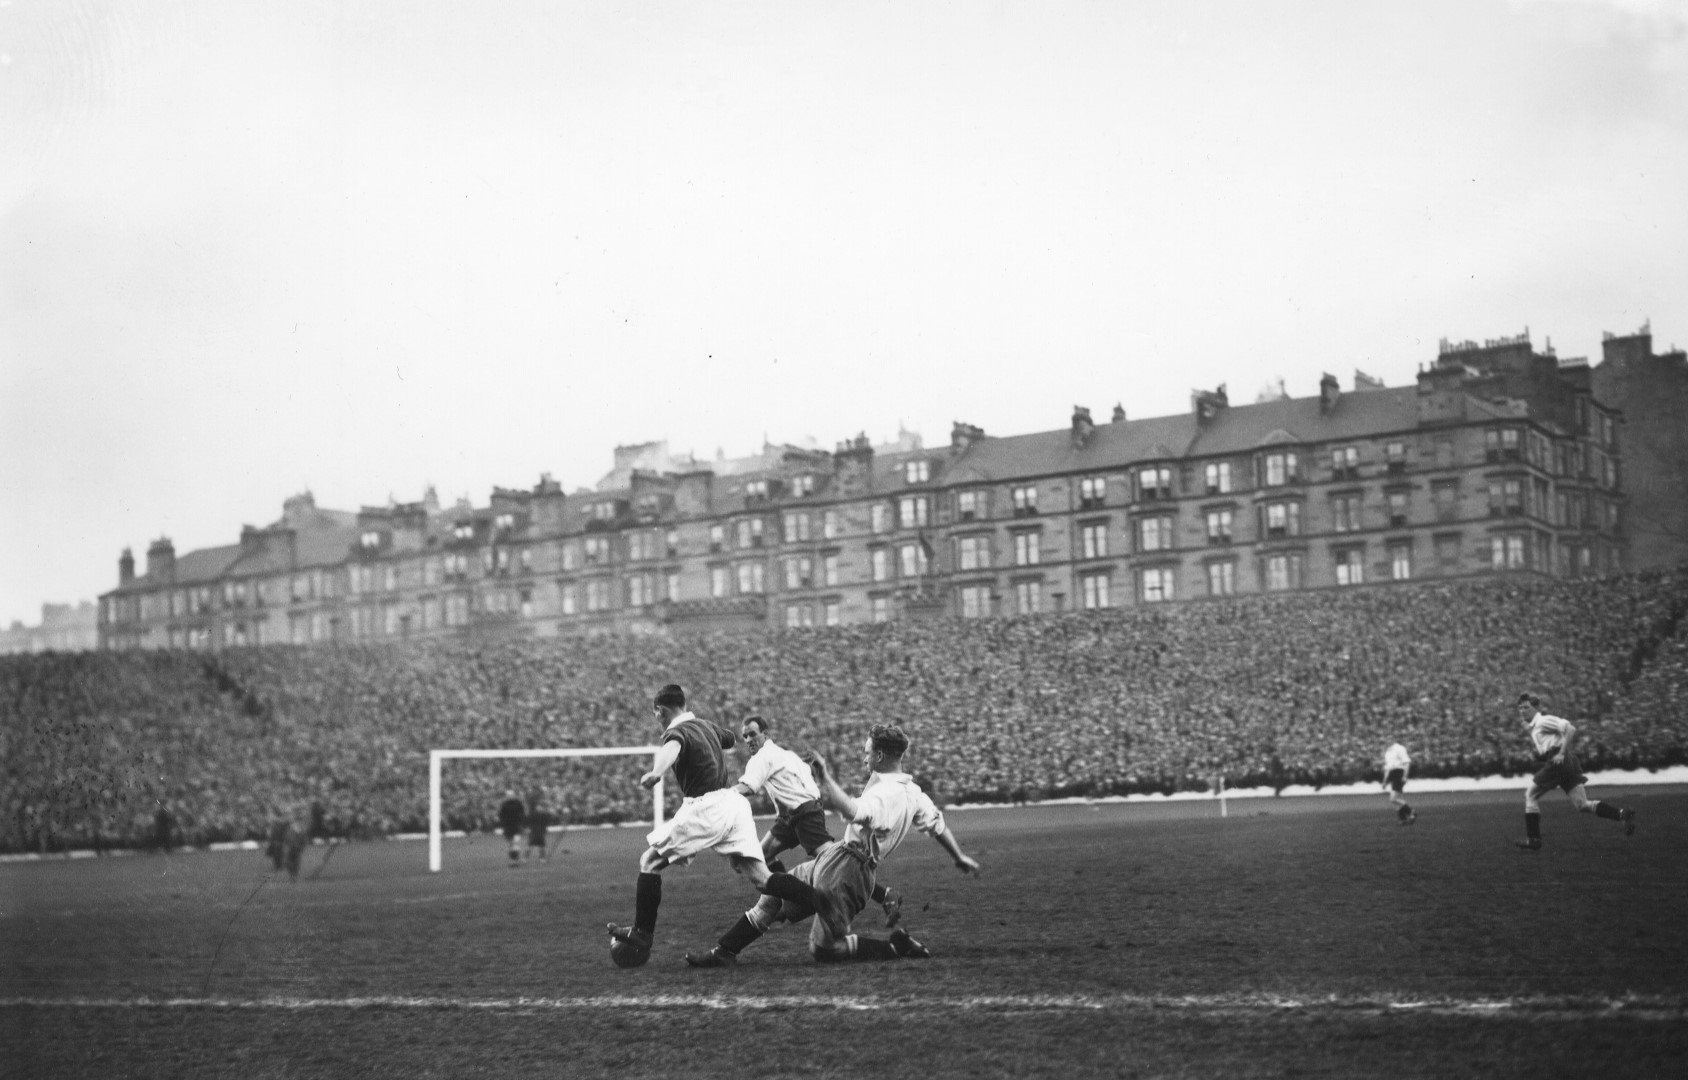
<point>1395,766</point>
<point>713,816</point>
<point>1551,738</point>
<point>890,807</point>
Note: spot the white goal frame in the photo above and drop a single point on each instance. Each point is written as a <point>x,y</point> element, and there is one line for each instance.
<point>437,757</point>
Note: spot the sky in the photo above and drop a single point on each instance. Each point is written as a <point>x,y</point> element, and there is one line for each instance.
<point>251,249</point>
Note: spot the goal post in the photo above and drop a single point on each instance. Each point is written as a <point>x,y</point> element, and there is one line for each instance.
<point>436,758</point>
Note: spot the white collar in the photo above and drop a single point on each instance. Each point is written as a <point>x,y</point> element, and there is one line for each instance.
<point>682,718</point>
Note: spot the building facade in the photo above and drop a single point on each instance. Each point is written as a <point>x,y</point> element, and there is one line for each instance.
<point>1500,459</point>
<point>1650,391</point>
<point>63,629</point>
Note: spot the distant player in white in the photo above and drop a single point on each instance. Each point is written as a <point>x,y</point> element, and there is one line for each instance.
<point>1395,766</point>
<point>1551,737</point>
<point>890,807</point>
<point>786,780</point>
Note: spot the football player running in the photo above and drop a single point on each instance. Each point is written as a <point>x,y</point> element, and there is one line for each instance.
<point>1551,737</point>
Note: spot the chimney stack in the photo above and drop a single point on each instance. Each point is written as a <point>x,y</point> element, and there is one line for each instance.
<point>126,567</point>
<point>1329,391</point>
<point>1083,428</point>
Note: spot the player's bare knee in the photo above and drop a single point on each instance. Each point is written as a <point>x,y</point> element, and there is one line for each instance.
<point>652,862</point>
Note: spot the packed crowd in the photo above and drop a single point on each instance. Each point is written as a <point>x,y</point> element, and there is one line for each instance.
<point>1306,688</point>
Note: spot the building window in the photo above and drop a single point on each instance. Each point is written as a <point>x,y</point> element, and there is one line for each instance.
<point>881,608</point>
<point>1283,572</point>
<point>1395,454</point>
<point>719,579</point>
<point>1028,597</point>
<point>975,601</point>
<point>879,560</point>
<point>829,568</point>
<point>1506,497</point>
<point>1154,534</point>
<point>1221,578</point>
<point>1154,482</point>
<point>1345,513</point>
<point>912,559</point>
<point>1444,495</point>
<point>798,616</point>
<point>756,490</point>
<point>749,578</point>
<point>1092,492</point>
<point>1025,500</point>
<point>1350,566</point>
<point>640,591</point>
<point>911,510</point>
<point>672,582</point>
<point>1218,475</point>
<point>879,518</point>
<point>642,546</point>
<point>370,541</point>
<point>802,485</point>
<point>1500,444</point>
<point>968,505</point>
<point>671,541</point>
<point>1093,591</point>
<point>1397,509</point>
<point>796,528</point>
<point>456,610</point>
<point>1507,552</point>
<point>973,552</point>
<point>717,537</point>
<point>1400,562</point>
<point>917,472</point>
<point>598,595</point>
<point>799,572</point>
<point>832,613</point>
<point>1026,549</point>
<point>1219,526</point>
<point>1157,584</point>
<point>1281,469</point>
<point>1094,539</point>
<point>1345,463</point>
<point>749,533</point>
<point>464,530</point>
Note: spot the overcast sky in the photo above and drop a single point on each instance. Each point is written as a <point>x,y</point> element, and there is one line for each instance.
<point>253,249</point>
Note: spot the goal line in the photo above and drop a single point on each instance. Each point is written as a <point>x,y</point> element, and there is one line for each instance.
<point>436,758</point>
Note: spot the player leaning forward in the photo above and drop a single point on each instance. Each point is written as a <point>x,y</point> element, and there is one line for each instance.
<point>713,816</point>
<point>890,805</point>
<point>1551,736</point>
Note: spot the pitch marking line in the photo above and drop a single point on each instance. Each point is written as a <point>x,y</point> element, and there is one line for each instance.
<point>1651,1008</point>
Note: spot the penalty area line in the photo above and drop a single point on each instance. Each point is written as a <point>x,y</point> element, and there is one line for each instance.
<point>1651,1008</point>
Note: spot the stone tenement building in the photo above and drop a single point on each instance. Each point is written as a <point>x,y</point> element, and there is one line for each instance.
<point>1501,459</point>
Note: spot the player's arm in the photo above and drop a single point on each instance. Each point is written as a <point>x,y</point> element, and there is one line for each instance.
<point>665,759</point>
<point>1565,742</point>
<point>831,793</point>
<point>963,862</point>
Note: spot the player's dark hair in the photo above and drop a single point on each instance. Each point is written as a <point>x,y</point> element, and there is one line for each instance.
<point>1533,700</point>
<point>756,718</point>
<point>890,740</point>
<point>671,696</point>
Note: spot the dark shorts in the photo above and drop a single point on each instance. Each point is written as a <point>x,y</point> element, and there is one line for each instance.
<point>511,834</point>
<point>1564,776</point>
<point>1396,780</point>
<point>804,826</point>
<point>536,837</point>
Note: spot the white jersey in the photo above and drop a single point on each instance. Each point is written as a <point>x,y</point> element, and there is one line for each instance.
<point>890,805</point>
<point>1549,733</point>
<point>783,775</point>
<point>1396,758</point>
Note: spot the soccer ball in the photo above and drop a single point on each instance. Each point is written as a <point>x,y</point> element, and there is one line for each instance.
<point>628,954</point>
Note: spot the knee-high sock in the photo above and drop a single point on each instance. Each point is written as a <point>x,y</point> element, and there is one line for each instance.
<point>789,888</point>
<point>1532,826</point>
<point>743,933</point>
<point>647,897</point>
<point>868,948</point>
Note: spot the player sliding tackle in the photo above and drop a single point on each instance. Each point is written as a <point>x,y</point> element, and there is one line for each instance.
<point>842,872</point>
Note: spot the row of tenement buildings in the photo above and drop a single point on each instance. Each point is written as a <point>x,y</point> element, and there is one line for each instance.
<point>1501,459</point>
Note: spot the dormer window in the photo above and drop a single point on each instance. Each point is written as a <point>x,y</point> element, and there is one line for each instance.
<point>370,540</point>
<point>464,531</point>
<point>756,489</point>
<point>1154,482</point>
<point>504,522</point>
<point>603,511</point>
<point>917,472</point>
<point>802,485</point>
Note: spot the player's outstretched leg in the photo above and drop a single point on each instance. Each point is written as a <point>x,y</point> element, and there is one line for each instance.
<point>1532,832</point>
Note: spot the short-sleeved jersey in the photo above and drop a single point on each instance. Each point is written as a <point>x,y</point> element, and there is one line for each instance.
<point>889,806</point>
<point>1548,733</point>
<point>1396,758</point>
<point>782,774</point>
<point>510,814</point>
<point>701,767</point>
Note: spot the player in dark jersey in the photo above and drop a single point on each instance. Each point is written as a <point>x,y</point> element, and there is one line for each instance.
<point>713,816</point>
<point>510,815</point>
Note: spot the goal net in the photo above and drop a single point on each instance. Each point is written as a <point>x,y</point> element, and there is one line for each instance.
<point>437,759</point>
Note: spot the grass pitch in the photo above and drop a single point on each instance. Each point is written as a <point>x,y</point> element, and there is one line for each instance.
<point>1297,937</point>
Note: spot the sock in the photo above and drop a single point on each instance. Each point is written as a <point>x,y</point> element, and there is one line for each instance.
<point>879,893</point>
<point>647,897</point>
<point>1532,826</point>
<point>789,888</point>
<point>868,948</point>
<point>743,933</point>
<point>1607,810</point>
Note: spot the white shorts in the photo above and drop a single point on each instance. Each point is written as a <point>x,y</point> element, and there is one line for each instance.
<point>719,821</point>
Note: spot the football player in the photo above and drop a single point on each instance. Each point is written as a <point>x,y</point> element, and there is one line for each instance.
<point>1551,737</point>
<point>1395,765</point>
